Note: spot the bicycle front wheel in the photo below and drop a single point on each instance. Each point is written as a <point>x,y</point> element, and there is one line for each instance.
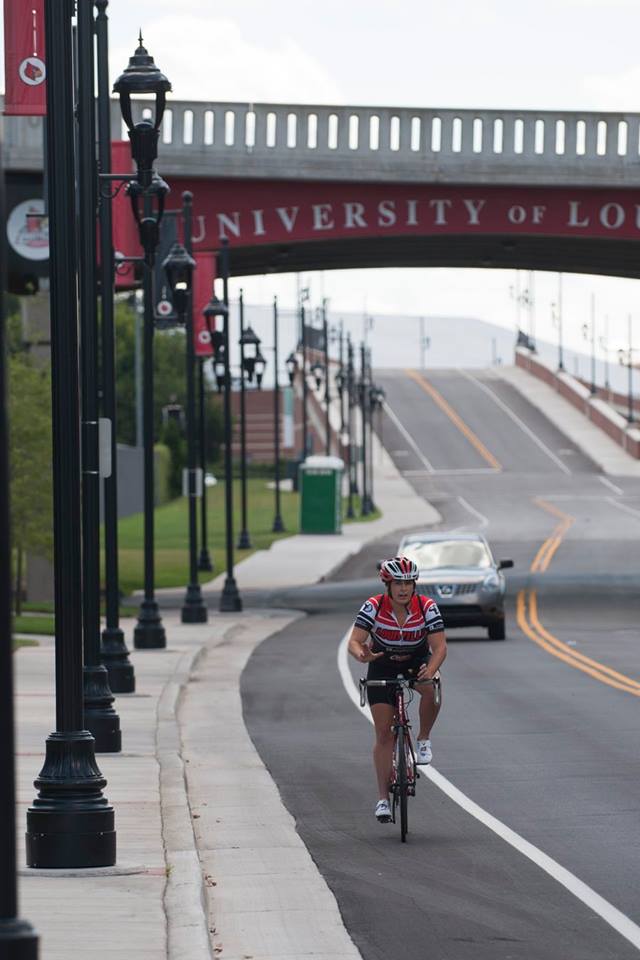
<point>402,784</point>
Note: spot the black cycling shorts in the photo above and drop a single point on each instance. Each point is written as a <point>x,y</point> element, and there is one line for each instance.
<point>387,669</point>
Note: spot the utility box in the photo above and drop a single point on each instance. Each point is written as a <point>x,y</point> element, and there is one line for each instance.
<point>321,495</point>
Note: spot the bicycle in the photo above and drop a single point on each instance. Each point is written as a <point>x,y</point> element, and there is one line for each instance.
<point>405,771</point>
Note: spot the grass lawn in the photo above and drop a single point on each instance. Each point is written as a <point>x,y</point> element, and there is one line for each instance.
<point>171,533</point>
<point>40,626</point>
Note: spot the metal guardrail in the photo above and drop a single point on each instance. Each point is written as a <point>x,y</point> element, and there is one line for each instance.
<point>378,143</point>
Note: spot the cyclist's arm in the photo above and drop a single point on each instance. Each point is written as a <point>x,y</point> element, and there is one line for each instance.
<point>359,648</point>
<point>438,644</point>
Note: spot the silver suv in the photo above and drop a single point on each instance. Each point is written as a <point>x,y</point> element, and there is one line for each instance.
<point>459,572</point>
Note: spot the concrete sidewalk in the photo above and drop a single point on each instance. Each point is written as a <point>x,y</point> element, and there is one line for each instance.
<point>213,870</point>
<point>592,441</point>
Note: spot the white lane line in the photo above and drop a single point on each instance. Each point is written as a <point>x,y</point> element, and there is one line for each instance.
<point>405,433</point>
<point>623,506</point>
<point>610,914</point>
<point>611,485</point>
<point>516,419</point>
<point>484,522</point>
<point>454,471</point>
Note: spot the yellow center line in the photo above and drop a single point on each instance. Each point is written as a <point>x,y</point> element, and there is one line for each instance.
<point>568,657</point>
<point>455,418</point>
<point>559,644</point>
<point>529,621</point>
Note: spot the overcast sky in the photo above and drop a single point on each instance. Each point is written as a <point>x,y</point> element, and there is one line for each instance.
<point>544,54</point>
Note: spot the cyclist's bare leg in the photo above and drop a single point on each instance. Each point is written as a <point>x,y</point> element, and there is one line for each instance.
<point>382,714</point>
<point>428,710</point>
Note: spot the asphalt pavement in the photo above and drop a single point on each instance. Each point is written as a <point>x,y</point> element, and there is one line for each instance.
<point>541,730</point>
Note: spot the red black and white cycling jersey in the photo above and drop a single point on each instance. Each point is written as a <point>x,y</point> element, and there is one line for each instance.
<point>376,616</point>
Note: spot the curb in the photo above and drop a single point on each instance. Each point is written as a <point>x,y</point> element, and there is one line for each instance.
<point>184,896</point>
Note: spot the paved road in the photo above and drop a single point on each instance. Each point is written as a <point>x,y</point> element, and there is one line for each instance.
<point>532,731</point>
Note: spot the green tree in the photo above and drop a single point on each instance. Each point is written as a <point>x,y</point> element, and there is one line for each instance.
<point>169,387</point>
<point>30,461</point>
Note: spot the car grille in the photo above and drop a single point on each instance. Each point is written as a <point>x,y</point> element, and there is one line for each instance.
<point>457,589</point>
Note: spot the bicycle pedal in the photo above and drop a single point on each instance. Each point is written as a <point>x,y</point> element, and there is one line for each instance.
<point>383,819</point>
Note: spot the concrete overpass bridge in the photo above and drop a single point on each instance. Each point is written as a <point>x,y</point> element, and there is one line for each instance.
<point>299,187</point>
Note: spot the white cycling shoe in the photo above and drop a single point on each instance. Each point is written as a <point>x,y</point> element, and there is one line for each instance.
<point>383,811</point>
<point>424,754</point>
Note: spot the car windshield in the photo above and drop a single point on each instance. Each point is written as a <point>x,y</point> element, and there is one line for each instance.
<point>431,555</point>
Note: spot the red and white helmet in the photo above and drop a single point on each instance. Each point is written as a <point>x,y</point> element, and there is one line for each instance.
<point>399,568</point>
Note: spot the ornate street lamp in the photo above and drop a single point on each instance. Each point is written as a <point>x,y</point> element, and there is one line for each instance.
<point>147,192</point>
<point>113,651</point>
<point>143,77</point>
<point>230,600</point>
<point>252,363</point>
<point>205,562</point>
<point>317,373</point>
<point>278,525</point>
<point>249,350</point>
<point>292,367</point>
<point>18,939</point>
<point>248,340</point>
<point>99,716</point>
<point>178,267</point>
<point>70,823</point>
<point>260,367</point>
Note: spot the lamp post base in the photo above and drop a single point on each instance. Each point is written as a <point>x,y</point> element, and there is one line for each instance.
<point>278,525</point>
<point>230,600</point>
<point>204,561</point>
<point>149,631</point>
<point>115,656</point>
<point>244,541</point>
<point>367,505</point>
<point>194,609</point>
<point>100,718</point>
<point>18,940</point>
<point>70,823</point>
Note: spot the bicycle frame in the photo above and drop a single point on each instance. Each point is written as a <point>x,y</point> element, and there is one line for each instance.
<point>405,772</point>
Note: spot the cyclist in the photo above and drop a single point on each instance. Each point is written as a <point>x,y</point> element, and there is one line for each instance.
<point>398,632</point>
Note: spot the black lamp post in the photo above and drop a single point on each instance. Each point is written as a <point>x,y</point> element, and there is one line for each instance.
<point>18,939</point>
<point>99,716</point>
<point>70,823</point>
<point>205,562</point>
<point>278,525</point>
<point>147,193</point>
<point>364,404</point>
<point>230,600</point>
<point>327,386</point>
<point>113,652</point>
<point>179,267</point>
<point>305,388</point>
<point>351,391</point>
<point>247,338</point>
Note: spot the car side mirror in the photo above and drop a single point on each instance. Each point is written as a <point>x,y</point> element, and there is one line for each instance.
<point>504,564</point>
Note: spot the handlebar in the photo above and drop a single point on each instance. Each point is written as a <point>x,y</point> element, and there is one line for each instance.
<point>408,683</point>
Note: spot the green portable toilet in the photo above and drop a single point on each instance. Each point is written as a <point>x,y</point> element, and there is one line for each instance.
<point>321,495</point>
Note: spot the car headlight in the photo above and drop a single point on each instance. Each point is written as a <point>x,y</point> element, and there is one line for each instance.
<point>491,582</point>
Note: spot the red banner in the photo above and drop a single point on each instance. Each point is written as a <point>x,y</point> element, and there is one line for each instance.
<point>254,212</point>
<point>203,278</point>
<point>24,67</point>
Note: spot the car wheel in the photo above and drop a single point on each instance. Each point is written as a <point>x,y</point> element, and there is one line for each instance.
<point>497,630</point>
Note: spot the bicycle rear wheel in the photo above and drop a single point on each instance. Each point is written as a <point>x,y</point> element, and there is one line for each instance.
<point>402,785</point>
